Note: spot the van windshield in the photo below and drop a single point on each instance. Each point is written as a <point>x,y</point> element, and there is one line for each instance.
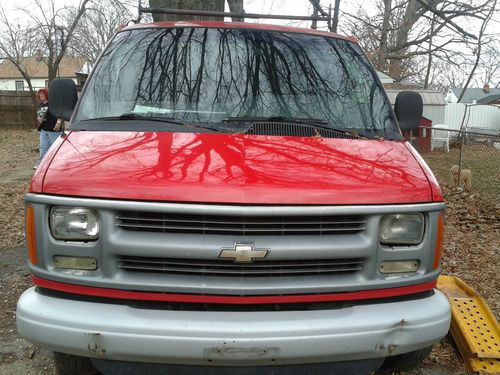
<point>210,75</point>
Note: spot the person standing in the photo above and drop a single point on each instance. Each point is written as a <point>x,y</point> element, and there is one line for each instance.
<point>48,125</point>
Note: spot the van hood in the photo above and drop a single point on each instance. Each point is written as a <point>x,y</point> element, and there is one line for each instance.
<point>235,168</point>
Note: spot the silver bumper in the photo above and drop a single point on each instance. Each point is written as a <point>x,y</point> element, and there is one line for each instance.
<point>119,332</point>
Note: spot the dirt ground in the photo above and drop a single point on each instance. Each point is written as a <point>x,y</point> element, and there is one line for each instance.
<point>471,252</point>
<point>17,156</point>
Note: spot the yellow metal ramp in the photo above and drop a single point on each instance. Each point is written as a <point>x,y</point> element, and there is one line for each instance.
<point>473,326</point>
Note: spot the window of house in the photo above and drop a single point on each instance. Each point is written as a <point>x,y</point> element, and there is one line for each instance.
<point>46,83</point>
<point>19,85</point>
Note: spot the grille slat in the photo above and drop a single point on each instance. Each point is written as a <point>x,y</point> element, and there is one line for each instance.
<point>203,263</point>
<point>241,222</point>
<point>246,229</point>
<point>205,267</point>
<point>239,225</point>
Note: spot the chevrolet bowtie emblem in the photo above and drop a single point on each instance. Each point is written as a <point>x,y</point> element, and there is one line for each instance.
<point>243,253</point>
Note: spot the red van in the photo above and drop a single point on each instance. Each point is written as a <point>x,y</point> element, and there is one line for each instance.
<point>233,198</point>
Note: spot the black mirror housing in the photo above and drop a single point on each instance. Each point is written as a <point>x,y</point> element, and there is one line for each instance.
<point>62,98</point>
<point>408,109</point>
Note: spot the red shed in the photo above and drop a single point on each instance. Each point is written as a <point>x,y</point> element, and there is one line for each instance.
<point>424,135</point>
<point>422,140</point>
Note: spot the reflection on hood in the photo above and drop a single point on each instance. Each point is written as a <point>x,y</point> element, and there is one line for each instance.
<point>224,168</point>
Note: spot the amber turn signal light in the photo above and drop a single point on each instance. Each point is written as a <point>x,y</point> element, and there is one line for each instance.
<point>439,241</point>
<point>30,234</point>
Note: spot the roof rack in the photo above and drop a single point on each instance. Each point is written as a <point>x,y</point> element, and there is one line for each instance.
<point>210,13</point>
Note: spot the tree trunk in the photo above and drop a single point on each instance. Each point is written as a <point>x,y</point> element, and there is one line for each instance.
<point>429,58</point>
<point>51,68</point>
<point>27,78</point>
<point>216,5</point>
<point>236,6</point>
<point>314,24</point>
<point>410,17</point>
<point>381,62</point>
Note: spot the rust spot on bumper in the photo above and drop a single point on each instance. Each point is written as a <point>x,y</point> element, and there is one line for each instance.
<point>95,344</point>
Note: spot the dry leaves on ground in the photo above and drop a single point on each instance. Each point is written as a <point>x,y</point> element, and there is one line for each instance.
<point>472,243</point>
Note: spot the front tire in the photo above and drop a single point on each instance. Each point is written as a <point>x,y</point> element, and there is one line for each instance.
<point>406,360</point>
<point>67,364</point>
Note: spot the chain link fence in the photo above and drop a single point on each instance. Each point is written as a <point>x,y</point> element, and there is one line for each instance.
<point>463,160</point>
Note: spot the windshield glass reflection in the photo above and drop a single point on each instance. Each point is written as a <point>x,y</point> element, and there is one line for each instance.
<point>209,75</point>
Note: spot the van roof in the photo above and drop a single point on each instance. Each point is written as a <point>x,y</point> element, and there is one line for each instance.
<point>239,25</point>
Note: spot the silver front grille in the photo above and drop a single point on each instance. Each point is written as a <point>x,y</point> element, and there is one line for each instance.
<point>239,225</point>
<point>204,267</point>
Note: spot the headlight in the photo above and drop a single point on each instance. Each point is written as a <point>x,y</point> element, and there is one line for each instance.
<point>74,223</point>
<point>402,229</point>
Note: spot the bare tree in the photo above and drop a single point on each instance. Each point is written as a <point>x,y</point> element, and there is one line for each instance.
<point>17,42</point>
<point>448,75</point>
<point>97,26</point>
<point>55,30</point>
<point>402,31</point>
<point>479,46</point>
<point>489,65</point>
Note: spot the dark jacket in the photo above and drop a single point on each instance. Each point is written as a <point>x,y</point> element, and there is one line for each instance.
<point>49,121</point>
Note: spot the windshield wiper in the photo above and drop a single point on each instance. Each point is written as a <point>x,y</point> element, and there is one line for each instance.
<point>309,122</point>
<point>274,118</point>
<point>137,116</point>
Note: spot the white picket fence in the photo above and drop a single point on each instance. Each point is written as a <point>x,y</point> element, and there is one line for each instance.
<point>478,117</point>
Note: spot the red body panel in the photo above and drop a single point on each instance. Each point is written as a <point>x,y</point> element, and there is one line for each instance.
<point>437,194</point>
<point>240,25</point>
<point>36,184</point>
<point>235,168</point>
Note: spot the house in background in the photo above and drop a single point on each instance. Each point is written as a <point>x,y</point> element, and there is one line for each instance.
<point>490,100</point>
<point>472,95</point>
<point>12,80</point>
<point>477,111</point>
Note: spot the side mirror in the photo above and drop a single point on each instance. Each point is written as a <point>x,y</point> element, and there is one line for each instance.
<point>62,98</point>
<point>408,109</point>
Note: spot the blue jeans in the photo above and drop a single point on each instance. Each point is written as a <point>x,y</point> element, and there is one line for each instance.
<point>46,140</point>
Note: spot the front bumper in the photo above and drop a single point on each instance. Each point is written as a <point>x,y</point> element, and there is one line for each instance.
<point>222,338</point>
